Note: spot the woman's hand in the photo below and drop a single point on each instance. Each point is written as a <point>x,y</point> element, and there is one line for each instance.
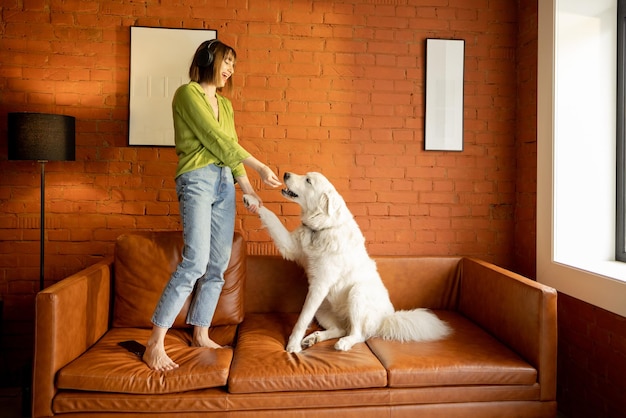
<point>268,176</point>
<point>246,188</point>
<point>266,173</point>
<point>250,204</point>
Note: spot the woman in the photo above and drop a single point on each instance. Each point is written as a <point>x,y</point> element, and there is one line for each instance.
<point>209,162</point>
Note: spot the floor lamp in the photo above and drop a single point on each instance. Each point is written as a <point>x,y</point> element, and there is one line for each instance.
<point>42,137</point>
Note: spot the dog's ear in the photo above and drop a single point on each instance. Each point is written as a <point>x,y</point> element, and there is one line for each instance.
<point>331,203</point>
<point>327,213</point>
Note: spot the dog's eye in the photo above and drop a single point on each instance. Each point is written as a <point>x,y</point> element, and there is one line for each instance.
<point>308,180</point>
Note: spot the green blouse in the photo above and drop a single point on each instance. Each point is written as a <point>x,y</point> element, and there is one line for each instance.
<point>200,138</point>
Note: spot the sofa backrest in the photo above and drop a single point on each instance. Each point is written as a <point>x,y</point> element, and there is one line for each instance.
<point>143,264</point>
<point>274,285</point>
<point>421,282</point>
<point>277,285</point>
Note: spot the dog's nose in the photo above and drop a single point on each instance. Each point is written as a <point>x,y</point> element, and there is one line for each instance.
<point>286,176</point>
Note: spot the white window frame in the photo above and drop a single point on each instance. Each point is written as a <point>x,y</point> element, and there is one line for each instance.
<point>576,150</point>
<point>620,230</point>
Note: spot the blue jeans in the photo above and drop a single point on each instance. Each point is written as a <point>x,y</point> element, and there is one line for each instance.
<point>206,198</point>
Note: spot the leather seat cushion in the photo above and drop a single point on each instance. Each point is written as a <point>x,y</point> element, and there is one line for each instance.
<point>107,367</point>
<point>261,364</point>
<point>469,356</point>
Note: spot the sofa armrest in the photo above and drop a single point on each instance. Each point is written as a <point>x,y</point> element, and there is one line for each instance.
<point>518,311</point>
<point>70,316</point>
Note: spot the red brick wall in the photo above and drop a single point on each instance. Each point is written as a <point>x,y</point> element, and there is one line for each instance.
<point>331,87</point>
<point>526,142</point>
<point>591,361</point>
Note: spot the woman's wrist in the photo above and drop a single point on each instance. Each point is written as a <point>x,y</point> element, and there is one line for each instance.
<point>253,163</point>
<point>244,184</point>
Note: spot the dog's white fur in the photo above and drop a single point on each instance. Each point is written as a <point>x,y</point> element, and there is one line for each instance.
<point>346,294</point>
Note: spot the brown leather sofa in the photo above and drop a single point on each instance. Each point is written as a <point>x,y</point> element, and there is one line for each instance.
<point>499,362</point>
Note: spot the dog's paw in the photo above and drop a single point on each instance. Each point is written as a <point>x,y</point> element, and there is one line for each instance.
<point>250,200</point>
<point>294,345</point>
<point>312,339</point>
<point>293,348</point>
<point>344,344</point>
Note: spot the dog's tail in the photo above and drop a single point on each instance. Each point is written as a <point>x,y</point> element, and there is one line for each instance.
<point>414,325</point>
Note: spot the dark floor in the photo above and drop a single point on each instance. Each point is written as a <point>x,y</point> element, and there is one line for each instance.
<point>11,403</point>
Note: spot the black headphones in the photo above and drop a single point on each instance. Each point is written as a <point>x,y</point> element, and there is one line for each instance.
<point>205,56</point>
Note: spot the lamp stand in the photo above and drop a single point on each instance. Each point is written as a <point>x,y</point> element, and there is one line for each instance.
<point>42,224</point>
<point>41,137</point>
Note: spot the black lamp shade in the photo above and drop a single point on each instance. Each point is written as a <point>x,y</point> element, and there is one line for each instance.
<point>41,136</point>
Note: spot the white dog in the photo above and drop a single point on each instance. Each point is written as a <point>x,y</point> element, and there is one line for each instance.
<point>346,294</point>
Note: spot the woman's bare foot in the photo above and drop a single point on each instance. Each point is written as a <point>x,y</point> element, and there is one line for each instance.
<point>201,338</point>
<point>155,356</point>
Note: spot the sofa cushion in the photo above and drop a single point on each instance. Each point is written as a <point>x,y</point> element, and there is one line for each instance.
<point>261,364</point>
<point>469,356</point>
<point>107,367</point>
<point>144,262</point>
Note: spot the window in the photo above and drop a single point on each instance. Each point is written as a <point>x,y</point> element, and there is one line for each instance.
<point>577,127</point>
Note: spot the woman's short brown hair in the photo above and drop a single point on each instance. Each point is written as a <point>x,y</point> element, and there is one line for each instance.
<point>205,71</point>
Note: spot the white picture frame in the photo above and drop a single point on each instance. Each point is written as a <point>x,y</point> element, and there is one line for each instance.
<point>444,94</point>
<point>159,64</point>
